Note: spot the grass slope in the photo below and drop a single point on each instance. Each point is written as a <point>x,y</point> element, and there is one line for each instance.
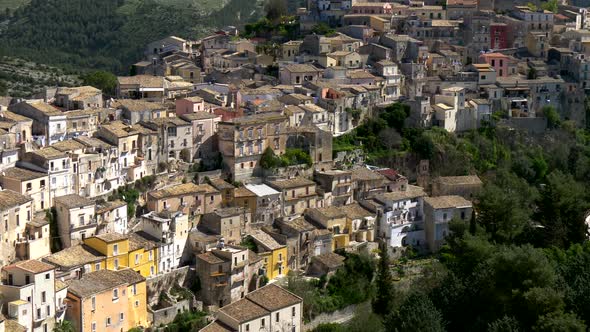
<point>111,34</point>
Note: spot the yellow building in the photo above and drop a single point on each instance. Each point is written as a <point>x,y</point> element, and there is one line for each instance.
<point>126,251</point>
<point>273,253</point>
<point>136,298</point>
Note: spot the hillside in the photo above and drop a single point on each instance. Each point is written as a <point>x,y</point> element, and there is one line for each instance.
<point>20,78</point>
<point>111,34</point>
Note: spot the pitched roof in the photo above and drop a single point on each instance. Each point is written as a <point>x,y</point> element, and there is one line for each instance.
<point>22,174</point>
<point>447,202</point>
<point>10,199</point>
<point>273,297</point>
<point>210,258</point>
<point>217,326</point>
<point>111,237</point>
<point>459,180</point>
<point>356,211</point>
<point>73,201</point>
<point>33,266</point>
<point>49,153</point>
<point>365,174</point>
<point>291,183</point>
<point>74,256</point>
<point>182,189</point>
<point>146,81</point>
<point>137,241</point>
<point>96,282</point>
<point>265,240</point>
<point>244,310</point>
<point>410,192</point>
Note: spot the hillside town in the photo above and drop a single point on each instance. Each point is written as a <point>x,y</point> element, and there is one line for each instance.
<point>216,170</point>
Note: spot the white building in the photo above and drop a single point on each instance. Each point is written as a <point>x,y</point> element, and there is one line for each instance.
<point>447,106</point>
<point>171,230</point>
<point>400,217</point>
<point>76,219</point>
<point>438,212</point>
<point>112,217</point>
<point>35,299</point>
<point>270,308</point>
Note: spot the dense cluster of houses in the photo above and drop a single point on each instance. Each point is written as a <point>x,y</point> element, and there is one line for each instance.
<point>70,252</point>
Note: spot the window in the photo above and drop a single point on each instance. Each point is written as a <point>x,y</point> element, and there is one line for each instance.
<point>152,270</point>
<point>29,186</point>
<point>97,267</point>
<point>136,304</point>
<point>115,249</point>
<point>136,259</point>
<point>151,256</point>
<point>17,220</point>
<point>293,311</point>
<point>93,326</point>
<point>42,183</point>
<point>38,312</point>
<point>277,317</point>
<point>43,297</point>
<point>115,294</point>
<point>262,322</point>
<point>93,302</point>
<point>247,327</point>
<point>121,316</point>
<point>134,289</point>
<point>108,321</point>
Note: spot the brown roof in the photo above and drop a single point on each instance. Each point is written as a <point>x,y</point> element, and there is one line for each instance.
<point>459,180</point>
<point>244,310</point>
<point>356,211</point>
<point>301,68</point>
<point>22,174</point>
<point>265,240</point>
<point>273,297</point>
<point>183,189</point>
<point>33,266</point>
<point>243,192</point>
<point>111,237</point>
<point>410,192</point>
<point>291,183</point>
<point>210,258</point>
<point>365,174</point>
<point>73,201</point>
<point>325,213</point>
<point>10,199</point>
<point>145,81</point>
<point>49,153</point>
<point>199,116</point>
<point>59,285</point>
<point>137,241</point>
<point>74,256</point>
<point>330,260</point>
<point>447,202</point>
<point>68,145</point>
<point>119,129</point>
<point>221,184</point>
<point>217,326</point>
<point>96,282</point>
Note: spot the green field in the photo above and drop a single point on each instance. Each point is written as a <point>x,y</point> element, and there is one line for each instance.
<point>12,4</point>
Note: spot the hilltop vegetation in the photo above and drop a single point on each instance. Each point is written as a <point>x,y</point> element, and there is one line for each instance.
<point>111,34</point>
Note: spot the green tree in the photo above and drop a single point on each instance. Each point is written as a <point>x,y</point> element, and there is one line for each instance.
<point>531,74</point>
<point>417,313</point>
<point>562,206</point>
<point>64,326</point>
<point>560,322</point>
<point>385,294</point>
<point>504,324</point>
<point>553,120</point>
<point>103,80</point>
<point>322,29</point>
<point>275,9</point>
<point>550,5</point>
<point>505,206</point>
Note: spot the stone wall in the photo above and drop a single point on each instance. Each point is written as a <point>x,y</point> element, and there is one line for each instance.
<point>162,283</point>
<point>166,315</point>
